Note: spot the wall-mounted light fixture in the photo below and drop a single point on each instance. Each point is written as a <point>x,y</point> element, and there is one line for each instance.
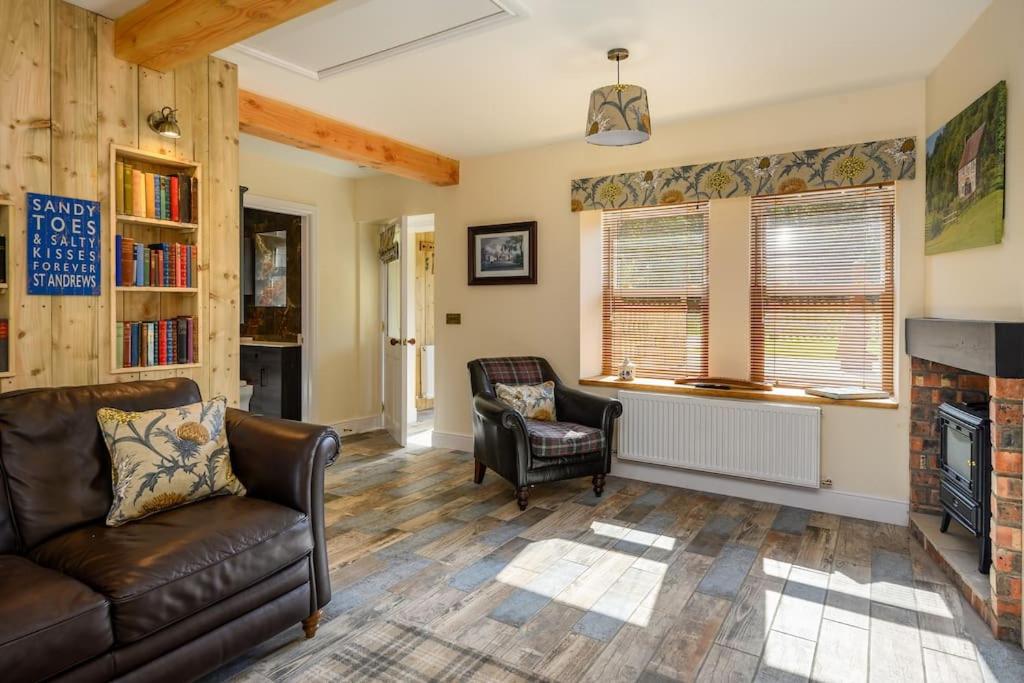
<point>165,123</point>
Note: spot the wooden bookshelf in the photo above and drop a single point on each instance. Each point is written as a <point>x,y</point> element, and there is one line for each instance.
<point>149,303</point>
<point>157,222</point>
<point>8,306</point>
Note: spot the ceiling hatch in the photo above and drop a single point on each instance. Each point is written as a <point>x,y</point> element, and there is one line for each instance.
<point>351,33</point>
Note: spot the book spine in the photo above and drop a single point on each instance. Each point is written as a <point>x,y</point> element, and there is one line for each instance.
<point>140,265</point>
<point>190,328</point>
<point>165,262</point>
<point>5,364</point>
<point>162,347</point>
<point>126,181</point>
<point>195,199</point>
<point>118,260</point>
<point>184,200</point>
<point>119,346</point>
<point>138,193</point>
<point>182,339</point>
<point>165,205</point>
<point>150,190</point>
<point>126,341</point>
<point>136,344</point>
<point>119,186</point>
<point>175,210</point>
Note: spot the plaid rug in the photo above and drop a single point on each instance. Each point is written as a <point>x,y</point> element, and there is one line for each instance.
<point>391,651</point>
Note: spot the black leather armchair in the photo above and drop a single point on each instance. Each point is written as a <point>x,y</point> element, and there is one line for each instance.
<point>528,452</point>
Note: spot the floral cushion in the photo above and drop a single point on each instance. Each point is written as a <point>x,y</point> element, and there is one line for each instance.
<point>161,459</point>
<point>532,401</point>
<point>560,439</point>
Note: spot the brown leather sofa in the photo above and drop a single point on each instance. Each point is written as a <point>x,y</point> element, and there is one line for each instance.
<point>165,598</point>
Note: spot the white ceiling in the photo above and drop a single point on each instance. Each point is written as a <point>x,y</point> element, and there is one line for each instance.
<point>525,82</point>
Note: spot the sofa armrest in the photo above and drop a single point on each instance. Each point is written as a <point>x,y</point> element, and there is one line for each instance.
<point>281,460</point>
<point>572,405</point>
<point>284,461</point>
<point>498,412</point>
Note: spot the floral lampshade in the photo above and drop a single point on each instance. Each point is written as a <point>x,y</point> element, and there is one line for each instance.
<point>618,116</point>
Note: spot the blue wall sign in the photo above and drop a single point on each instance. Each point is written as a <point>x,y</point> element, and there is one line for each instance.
<point>63,245</point>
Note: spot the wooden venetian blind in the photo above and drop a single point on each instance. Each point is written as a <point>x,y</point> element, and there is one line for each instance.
<point>655,290</point>
<point>821,305</point>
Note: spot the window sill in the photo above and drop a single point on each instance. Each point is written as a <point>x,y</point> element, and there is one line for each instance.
<point>665,386</point>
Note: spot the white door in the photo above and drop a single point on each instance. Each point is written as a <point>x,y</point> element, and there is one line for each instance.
<point>397,340</point>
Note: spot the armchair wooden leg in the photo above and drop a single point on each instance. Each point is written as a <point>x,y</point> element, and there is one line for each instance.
<point>523,496</point>
<point>598,485</point>
<point>311,623</point>
<point>478,471</point>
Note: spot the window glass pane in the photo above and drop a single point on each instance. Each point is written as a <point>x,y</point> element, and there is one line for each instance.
<point>822,288</point>
<point>655,290</point>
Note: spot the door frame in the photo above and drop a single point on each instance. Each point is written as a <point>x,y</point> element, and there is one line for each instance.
<point>309,219</point>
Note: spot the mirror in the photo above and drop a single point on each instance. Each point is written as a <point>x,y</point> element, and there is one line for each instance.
<point>270,253</point>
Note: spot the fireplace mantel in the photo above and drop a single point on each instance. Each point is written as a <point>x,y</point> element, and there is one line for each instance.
<point>987,347</point>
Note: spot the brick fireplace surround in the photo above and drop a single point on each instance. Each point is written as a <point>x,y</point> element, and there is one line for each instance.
<point>934,384</point>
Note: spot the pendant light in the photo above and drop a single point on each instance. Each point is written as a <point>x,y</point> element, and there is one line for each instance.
<point>619,114</point>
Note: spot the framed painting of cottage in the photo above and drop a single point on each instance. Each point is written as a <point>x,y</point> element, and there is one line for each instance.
<point>503,254</point>
<point>966,177</point>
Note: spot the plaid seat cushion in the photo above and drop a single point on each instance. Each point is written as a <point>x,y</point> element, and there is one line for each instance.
<point>518,370</point>
<point>559,439</point>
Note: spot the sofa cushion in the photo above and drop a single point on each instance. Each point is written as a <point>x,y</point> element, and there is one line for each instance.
<point>48,622</point>
<point>165,458</point>
<point>161,569</point>
<point>532,401</point>
<point>56,465</point>
<point>560,439</point>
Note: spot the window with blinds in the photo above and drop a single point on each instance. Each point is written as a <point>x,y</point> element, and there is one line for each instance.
<point>821,305</point>
<point>655,290</point>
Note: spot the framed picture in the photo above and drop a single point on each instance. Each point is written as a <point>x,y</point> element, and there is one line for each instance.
<point>966,177</point>
<point>503,254</point>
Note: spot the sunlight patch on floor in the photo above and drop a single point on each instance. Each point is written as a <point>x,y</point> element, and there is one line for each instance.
<point>617,585</point>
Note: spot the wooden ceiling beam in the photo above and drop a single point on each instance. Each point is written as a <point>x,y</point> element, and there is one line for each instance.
<point>163,34</point>
<point>290,125</point>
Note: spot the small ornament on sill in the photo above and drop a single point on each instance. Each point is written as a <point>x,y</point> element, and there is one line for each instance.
<point>627,371</point>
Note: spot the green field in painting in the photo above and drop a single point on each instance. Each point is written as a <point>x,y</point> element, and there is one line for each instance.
<point>978,226</point>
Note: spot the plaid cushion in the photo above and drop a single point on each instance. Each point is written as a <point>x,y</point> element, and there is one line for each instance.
<point>520,370</point>
<point>559,439</point>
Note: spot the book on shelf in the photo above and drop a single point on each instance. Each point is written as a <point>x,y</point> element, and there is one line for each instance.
<point>5,363</point>
<point>138,193</point>
<point>152,343</point>
<point>119,186</point>
<point>3,259</point>
<point>153,195</point>
<point>846,393</point>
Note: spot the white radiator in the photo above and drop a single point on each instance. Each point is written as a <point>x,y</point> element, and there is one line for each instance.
<point>765,441</point>
<point>427,372</point>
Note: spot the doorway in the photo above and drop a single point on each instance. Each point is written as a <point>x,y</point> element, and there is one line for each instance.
<point>277,306</point>
<point>406,248</point>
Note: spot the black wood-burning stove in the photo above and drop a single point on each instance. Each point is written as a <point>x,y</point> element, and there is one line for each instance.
<point>966,472</point>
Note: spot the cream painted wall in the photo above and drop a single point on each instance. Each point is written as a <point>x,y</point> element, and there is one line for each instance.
<point>865,450</point>
<point>984,282</point>
<point>346,384</point>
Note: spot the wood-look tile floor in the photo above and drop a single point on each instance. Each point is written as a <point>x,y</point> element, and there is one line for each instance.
<point>436,578</point>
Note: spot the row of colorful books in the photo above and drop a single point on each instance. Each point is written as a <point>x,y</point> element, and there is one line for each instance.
<point>147,343</point>
<point>152,195</point>
<point>154,265</point>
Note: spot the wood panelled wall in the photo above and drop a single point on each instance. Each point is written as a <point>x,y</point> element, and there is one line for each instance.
<point>64,98</point>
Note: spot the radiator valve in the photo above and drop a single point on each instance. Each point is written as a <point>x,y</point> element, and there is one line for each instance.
<point>826,483</point>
